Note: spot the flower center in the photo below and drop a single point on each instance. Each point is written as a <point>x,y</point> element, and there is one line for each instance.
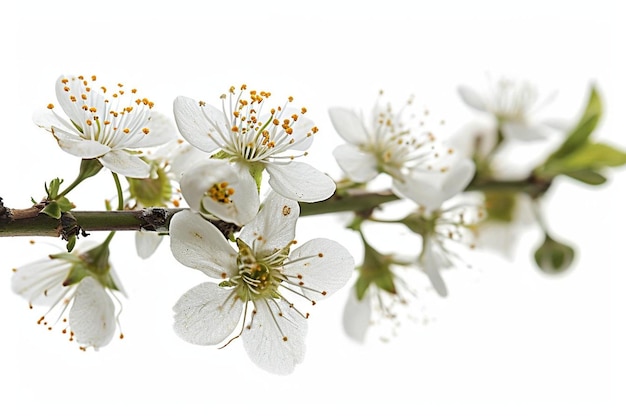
<point>513,101</point>
<point>254,135</point>
<point>220,193</point>
<point>258,278</point>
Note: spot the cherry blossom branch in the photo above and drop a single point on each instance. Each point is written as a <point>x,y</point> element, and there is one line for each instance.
<point>31,222</point>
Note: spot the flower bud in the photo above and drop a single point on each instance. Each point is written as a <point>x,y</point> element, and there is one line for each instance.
<point>554,257</point>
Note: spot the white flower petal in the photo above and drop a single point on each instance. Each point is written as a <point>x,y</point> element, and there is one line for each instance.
<point>422,188</point>
<point>525,132</point>
<point>431,264</point>
<point>275,340</point>
<point>242,205</point>
<point>430,189</point>
<point>322,266</point>
<point>206,314</point>
<point>348,125</point>
<point>302,133</point>
<point>117,283</point>
<point>196,243</point>
<point>77,146</point>
<point>92,316</point>
<point>162,131</point>
<point>194,122</point>
<point>147,243</point>
<point>359,166</point>
<point>47,119</point>
<point>301,182</point>
<point>458,177</point>
<point>126,164</point>
<point>41,282</point>
<point>274,226</point>
<point>472,98</point>
<point>357,315</point>
<point>184,156</point>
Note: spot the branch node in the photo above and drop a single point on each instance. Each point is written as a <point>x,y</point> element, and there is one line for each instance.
<point>69,227</point>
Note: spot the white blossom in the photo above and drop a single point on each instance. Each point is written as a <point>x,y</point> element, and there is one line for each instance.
<point>248,135</point>
<point>386,142</point>
<point>108,124</point>
<point>217,188</point>
<point>381,313</point>
<point>449,233</point>
<point>514,104</point>
<point>431,189</point>
<point>78,282</point>
<point>257,280</point>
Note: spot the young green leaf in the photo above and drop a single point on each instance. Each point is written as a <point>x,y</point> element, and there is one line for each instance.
<point>579,135</point>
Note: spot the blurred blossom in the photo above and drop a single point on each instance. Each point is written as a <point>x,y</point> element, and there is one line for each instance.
<point>514,106</point>
<point>387,141</point>
<point>450,220</point>
<point>381,313</point>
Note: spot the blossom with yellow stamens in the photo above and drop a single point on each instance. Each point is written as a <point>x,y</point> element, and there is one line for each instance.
<point>388,141</point>
<point>108,124</point>
<point>247,134</point>
<point>256,280</point>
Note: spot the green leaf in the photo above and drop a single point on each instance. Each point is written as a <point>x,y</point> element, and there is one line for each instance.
<point>590,156</point>
<point>65,204</point>
<point>579,135</point>
<point>587,176</point>
<point>71,242</point>
<point>53,189</point>
<point>52,209</point>
<point>595,155</point>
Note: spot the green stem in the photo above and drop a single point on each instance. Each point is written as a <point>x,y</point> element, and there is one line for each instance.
<point>29,222</point>
<point>70,187</point>
<point>88,168</point>
<point>120,195</point>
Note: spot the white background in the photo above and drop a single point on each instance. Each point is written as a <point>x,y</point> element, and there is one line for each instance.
<point>507,342</point>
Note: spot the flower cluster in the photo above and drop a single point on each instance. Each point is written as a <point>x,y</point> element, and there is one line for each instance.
<point>423,170</point>
<point>230,184</point>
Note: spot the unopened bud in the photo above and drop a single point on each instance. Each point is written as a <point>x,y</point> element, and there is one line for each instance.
<point>554,257</point>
